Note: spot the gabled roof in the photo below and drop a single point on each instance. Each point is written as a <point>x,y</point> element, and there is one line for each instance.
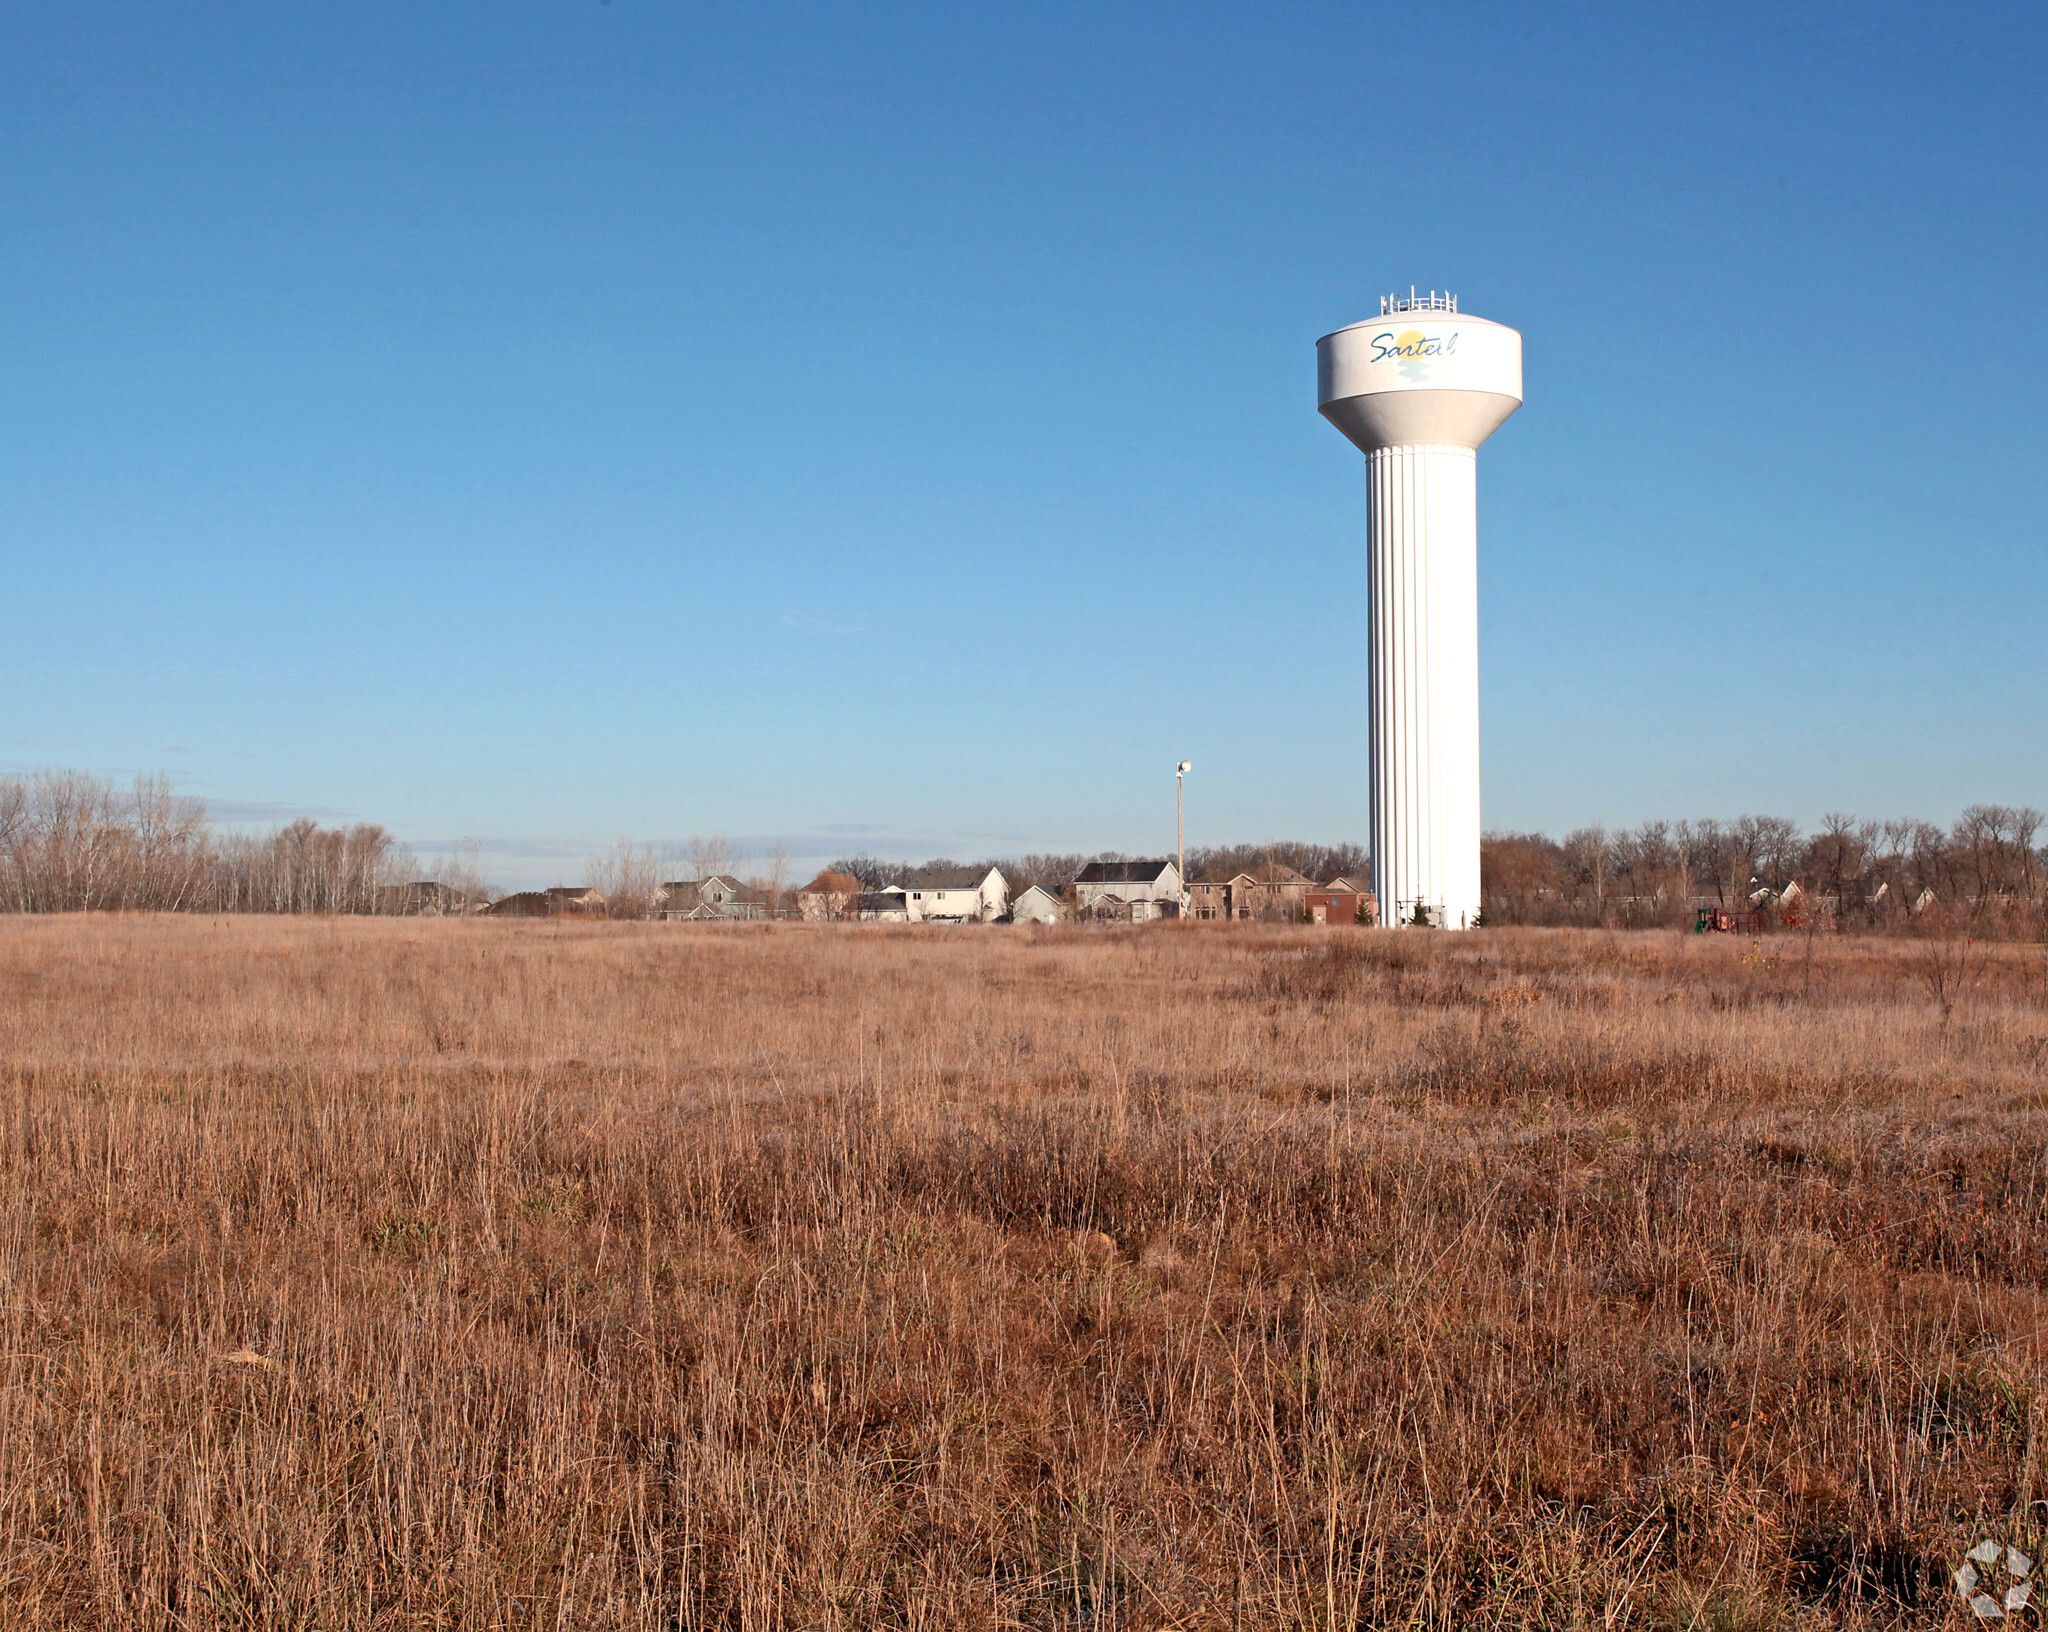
<point>944,878</point>
<point>830,883</point>
<point>1045,890</point>
<point>1218,876</point>
<point>1122,872</point>
<point>1349,885</point>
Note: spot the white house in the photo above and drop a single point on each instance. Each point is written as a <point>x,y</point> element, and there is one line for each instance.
<point>881,907</point>
<point>953,895</point>
<point>1150,888</point>
<point>1038,905</point>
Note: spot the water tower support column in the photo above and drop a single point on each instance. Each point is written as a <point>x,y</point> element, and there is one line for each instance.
<point>1423,653</point>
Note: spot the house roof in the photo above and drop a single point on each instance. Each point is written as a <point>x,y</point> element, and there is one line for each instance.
<point>1122,872</point>
<point>700,885</point>
<point>1221,877</point>
<point>1349,885</point>
<point>1045,890</point>
<point>943,878</point>
<point>830,883</point>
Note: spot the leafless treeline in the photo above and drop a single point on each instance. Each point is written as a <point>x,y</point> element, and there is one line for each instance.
<point>1321,862</point>
<point>1860,873</point>
<point>70,842</point>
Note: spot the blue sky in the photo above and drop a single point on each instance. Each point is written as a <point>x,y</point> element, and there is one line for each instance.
<point>893,427</point>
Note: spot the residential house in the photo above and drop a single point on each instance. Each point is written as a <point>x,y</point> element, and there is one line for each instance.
<point>1039,905</point>
<point>428,898</point>
<point>1269,891</point>
<point>1277,892</point>
<point>1339,902</point>
<point>882,907</point>
<point>953,895</point>
<point>560,901</point>
<point>1209,895</point>
<point>829,895</point>
<point>700,900</point>
<point>1149,889</point>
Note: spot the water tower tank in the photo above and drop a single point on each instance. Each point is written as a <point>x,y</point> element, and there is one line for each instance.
<point>1418,390</point>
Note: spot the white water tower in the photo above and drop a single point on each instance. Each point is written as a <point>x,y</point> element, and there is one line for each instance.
<point>1418,390</point>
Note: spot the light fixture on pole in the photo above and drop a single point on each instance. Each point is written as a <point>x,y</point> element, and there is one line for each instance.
<point>1180,828</point>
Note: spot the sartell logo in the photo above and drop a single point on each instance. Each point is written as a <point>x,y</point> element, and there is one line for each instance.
<point>1415,349</point>
<point>1987,1565</point>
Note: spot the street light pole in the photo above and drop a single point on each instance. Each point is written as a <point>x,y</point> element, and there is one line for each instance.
<point>1180,827</point>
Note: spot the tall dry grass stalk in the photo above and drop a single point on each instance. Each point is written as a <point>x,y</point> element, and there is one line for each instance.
<point>371,1273</point>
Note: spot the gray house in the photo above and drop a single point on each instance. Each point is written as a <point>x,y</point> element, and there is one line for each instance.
<point>1148,889</point>
<point>699,899</point>
<point>1039,905</point>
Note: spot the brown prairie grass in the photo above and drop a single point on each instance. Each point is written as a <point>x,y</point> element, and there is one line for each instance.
<point>372,1273</point>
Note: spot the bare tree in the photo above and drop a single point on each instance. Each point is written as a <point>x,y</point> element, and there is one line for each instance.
<point>303,867</point>
<point>14,845</point>
<point>1772,844</point>
<point>1684,846</point>
<point>1312,860</point>
<point>716,856</point>
<point>1524,879</point>
<point>627,875</point>
<point>1643,854</point>
<point>460,873</point>
<point>1590,854</point>
<point>170,845</point>
<point>1993,847</point>
<point>1054,872</point>
<point>1838,860</point>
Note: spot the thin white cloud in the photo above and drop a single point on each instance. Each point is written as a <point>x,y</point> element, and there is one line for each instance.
<point>817,844</point>
<point>265,810</point>
<point>534,849</point>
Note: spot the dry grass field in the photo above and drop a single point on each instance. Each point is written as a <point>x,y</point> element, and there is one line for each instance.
<point>399,1273</point>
